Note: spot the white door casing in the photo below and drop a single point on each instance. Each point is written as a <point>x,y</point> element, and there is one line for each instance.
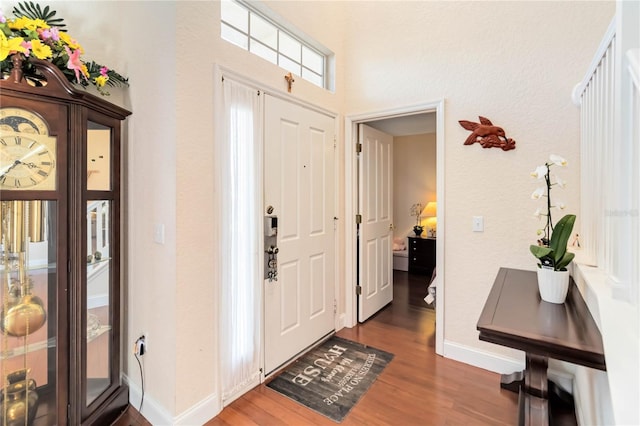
<point>299,163</point>
<point>376,229</point>
<point>351,206</point>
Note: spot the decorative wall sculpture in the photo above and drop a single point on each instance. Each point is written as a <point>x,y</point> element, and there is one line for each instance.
<point>487,135</point>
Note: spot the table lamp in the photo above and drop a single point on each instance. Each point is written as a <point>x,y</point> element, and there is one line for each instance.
<point>430,213</point>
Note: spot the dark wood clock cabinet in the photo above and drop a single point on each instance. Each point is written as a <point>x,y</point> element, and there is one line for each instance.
<point>60,195</point>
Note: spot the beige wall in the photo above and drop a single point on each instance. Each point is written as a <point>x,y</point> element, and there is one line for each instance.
<point>514,62</point>
<point>496,60</point>
<point>414,178</point>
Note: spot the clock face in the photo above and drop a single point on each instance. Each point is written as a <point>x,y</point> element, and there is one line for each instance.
<point>27,153</point>
<point>20,120</point>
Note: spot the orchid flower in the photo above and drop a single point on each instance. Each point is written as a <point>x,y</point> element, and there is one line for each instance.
<point>542,172</point>
<point>560,182</point>
<point>539,172</point>
<point>557,160</point>
<point>538,193</point>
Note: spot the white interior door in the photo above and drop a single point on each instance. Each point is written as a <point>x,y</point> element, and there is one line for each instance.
<point>299,185</point>
<point>376,230</point>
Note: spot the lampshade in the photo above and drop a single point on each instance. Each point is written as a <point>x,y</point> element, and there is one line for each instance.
<point>430,209</point>
<point>430,212</point>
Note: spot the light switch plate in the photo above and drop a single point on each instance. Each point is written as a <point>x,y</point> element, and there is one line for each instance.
<point>478,224</point>
<point>158,233</point>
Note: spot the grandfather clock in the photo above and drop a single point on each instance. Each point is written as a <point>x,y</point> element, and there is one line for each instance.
<point>60,248</point>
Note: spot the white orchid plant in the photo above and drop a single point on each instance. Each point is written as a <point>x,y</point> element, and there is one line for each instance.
<point>544,172</point>
<point>416,210</point>
<point>551,249</point>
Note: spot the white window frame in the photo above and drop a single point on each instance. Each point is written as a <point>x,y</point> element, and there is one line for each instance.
<point>263,12</point>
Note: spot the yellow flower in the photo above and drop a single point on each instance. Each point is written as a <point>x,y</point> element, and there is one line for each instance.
<point>16,24</point>
<point>66,38</point>
<point>41,24</point>
<point>24,23</point>
<point>84,70</point>
<point>11,45</point>
<point>101,80</point>
<point>40,50</point>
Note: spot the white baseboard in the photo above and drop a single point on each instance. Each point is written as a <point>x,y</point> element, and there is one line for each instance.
<point>200,413</point>
<point>151,409</point>
<point>155,413</point>
<point>340,324</point>
<point>481,359</point>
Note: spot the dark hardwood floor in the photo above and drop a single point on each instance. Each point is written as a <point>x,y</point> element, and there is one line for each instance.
<point>417,388</point>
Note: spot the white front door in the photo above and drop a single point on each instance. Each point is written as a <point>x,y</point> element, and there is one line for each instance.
<point>376,230</point>
<point>299,185</point>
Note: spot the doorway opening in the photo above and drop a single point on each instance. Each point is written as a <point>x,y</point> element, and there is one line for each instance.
<point>396,122</point>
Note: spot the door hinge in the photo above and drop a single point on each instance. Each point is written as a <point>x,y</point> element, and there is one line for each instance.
<point>358,290</point>
<point>335,142</point>
<point>68,413</point>
<point>358,219</point>
<point>358,148</point>
<point>335,306</point>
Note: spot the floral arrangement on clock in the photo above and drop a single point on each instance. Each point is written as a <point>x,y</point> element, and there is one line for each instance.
<point>37,33</point>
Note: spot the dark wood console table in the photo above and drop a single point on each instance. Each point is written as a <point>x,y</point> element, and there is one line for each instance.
<point>516,317</point>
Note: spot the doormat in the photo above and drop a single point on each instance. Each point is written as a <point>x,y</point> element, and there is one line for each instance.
<point>331,378</point>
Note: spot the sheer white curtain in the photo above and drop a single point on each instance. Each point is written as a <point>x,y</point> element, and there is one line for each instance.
<point>241,239</point>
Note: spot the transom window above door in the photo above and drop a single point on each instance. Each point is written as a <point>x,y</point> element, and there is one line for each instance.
<point>265,35</point>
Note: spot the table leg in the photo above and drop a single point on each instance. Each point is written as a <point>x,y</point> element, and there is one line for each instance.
<point>512,382</point>
<point>535,375</point>
<point>534,393</point>
<point>561,410</point>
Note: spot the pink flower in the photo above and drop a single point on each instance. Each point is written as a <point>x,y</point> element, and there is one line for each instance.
<point>49,33</point>
<point>74,62</point>
<point>27,47</point>
<point>104,71</point>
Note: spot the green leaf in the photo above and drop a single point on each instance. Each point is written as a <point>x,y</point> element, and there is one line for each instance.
<point>566,259</point>
<point>33,11</point>
<point>6,30</point>
<point>540,251</point>
<point>560,236</point>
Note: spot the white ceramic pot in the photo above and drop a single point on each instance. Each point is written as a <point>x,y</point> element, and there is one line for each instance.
<point>553,285</point>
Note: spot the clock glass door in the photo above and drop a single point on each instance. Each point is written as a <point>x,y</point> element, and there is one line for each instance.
<point>98,338</point>
<point>99,273</point>
<point>28,344</point>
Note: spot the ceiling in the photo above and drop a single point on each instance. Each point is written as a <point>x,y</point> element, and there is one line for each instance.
<point>406,125</point>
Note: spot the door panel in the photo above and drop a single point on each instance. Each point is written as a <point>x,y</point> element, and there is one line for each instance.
<point>376,229</point>
<point>298,183</point>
